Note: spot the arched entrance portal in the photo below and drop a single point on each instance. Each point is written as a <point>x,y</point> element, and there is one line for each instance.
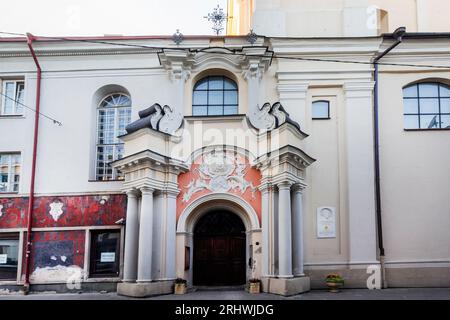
<point>219,250</point>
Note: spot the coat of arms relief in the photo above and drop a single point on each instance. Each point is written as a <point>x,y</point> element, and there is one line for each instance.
<point>220,172</point>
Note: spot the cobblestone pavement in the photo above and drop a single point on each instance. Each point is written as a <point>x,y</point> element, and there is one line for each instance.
<point>347,294</point>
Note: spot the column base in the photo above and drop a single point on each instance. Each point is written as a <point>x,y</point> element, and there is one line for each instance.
<point>144,289</point>
<point>286,286</point>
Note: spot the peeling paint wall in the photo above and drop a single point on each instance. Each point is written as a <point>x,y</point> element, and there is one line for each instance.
<point>57,255</point>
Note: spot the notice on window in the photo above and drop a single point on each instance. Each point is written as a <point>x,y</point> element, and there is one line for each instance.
<point>108,257</point>
<point>3,258</point>
<point>326,223</point>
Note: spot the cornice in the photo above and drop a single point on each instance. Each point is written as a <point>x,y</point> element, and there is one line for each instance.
<point>78,52</point>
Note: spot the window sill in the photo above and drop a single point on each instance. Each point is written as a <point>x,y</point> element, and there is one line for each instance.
<point>8,193</point>
<point>9,282</point>
<point>12,116</point>
<point>321,118</point>
<point>215,117</point>
<point>102,279</point>
<point>117,180</point>
<point>412,130</point>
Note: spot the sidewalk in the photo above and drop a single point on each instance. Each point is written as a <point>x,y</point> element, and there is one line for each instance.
<point>348,294</point>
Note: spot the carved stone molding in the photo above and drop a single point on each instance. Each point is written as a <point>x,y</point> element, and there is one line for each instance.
<point>177,62</point>
<point>257,61</point>
<point>163,119</point>
<point>270,117</point>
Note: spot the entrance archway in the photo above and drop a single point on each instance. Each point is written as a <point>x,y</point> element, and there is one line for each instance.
<point>219,250</point>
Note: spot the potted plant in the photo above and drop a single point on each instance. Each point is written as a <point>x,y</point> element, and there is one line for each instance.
<point>334,282</point>
<point>180,286</point>
<point>254,285</point>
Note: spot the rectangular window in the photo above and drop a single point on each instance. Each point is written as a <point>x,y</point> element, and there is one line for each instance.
<point>9,172</point>
<point>320,110</point>
<point>105,250</point>
<point>13,97</point>
<point>9,256</point>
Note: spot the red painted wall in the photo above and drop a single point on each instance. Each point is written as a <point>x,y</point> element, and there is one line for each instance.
<point>92,210</point>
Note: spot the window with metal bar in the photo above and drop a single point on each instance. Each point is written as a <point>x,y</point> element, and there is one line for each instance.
<point>114,113</point>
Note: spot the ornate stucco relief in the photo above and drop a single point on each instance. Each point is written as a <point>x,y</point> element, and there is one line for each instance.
<point>56,210</point>
<point>219,172</point>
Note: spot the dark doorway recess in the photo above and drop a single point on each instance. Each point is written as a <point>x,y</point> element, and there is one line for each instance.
<point>219,250</point>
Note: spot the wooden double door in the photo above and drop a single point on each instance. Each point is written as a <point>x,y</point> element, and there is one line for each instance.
<point>219,250</point>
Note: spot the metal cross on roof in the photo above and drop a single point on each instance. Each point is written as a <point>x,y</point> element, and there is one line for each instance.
<point>217,16</point>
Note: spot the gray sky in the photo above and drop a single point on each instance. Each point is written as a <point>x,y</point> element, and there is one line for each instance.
<point>98,17</point>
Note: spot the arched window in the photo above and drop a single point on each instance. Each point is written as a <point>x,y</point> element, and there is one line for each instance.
<point>215,96</point>
<point>113,114</point>
<point>321,110</point>
<point>426,106</point>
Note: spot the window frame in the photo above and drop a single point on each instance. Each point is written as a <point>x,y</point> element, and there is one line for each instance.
<point>16,102</point>
<point>93,250</point>
<point>11,172</point>
<point>328,110</point>
<point>13,236</point>
<point>208,106</point>
<point>115,176</point>
<point>419,114</point>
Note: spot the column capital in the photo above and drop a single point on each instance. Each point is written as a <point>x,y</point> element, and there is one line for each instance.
<point>359,89</point>
<point>265,187</point>
<point>147,190</point>
<point>292,90</point>
<point>178,63</point>
<point>132,193</point>
<point>256,62</point>
<point>298,187</point>
<point>171,193</point>
<point>283,185</point>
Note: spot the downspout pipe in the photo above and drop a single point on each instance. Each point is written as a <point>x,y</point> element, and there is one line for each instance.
<point>397,35</point>
<point>30,39</point>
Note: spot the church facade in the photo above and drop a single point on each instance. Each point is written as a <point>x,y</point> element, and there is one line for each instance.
<point>224,159</point>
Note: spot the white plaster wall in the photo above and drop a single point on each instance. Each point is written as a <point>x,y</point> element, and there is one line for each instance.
<point>415,178</point>
<point>324,179</point>
<point>351,18</point>
<point>66,153</point>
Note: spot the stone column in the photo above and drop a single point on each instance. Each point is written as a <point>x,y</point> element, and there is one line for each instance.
<point>158,235</point>
<point>360,172</point>
<point>170,234</point>
<point>131,238</point>
<point>145,236</point>
<point>297,230</point>
<point>265,192</point>
<point>284,230</point>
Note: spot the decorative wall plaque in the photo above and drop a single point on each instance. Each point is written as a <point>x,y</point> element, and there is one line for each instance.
<point>326,222</point>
